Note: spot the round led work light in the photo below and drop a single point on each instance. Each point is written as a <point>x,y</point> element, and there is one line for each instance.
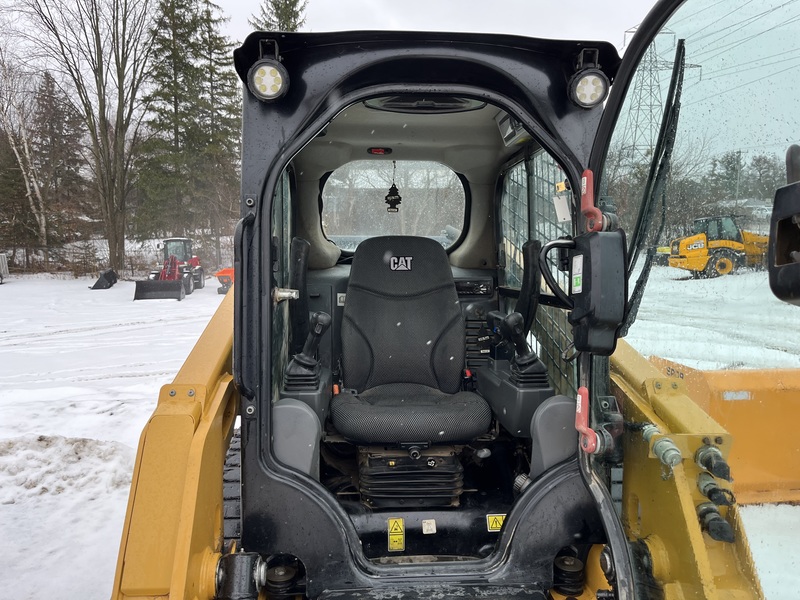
<point>268,80</point>
<point>588,88</point>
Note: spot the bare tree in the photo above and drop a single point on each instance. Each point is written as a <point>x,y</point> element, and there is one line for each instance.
<point>16,119</point>
<point>101,48</point>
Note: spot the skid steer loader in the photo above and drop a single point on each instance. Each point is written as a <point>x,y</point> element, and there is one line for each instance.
<point>417,387</point>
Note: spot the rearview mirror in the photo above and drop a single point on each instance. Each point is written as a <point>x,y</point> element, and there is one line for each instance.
<point>784,244</point>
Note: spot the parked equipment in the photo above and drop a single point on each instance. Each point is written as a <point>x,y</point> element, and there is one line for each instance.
<point>179,275</point>
<point>106,279</point>
<point>225,278</point>
<point>3,266</point>
<point>717,247</point>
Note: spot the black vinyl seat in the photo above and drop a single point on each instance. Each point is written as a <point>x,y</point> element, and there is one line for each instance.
<point>403,349</point>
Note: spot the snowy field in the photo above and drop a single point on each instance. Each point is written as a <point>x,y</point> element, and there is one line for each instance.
<point>80,372</point>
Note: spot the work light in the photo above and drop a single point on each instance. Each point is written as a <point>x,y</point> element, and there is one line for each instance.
<point>588,88</point>
<point>268,80</point>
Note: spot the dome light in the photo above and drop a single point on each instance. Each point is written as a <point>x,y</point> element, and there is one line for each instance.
<point>268,80</point>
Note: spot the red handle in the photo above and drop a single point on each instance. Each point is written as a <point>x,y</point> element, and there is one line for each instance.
<point>594,218</point>
<point>588,435</point>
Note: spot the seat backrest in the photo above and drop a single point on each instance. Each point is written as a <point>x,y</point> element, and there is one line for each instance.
<point>402,320</point>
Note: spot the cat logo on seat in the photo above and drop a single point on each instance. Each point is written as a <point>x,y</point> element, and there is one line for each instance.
<point>400,263</point>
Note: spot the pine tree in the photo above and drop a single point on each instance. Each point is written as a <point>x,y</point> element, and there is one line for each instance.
<point>279,15</point>
<point>216,182</point>
<point>164,205</point>
<point>189,172</point>
<point>57,143</point>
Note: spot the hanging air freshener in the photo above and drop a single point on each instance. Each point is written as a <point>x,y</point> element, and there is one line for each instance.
<point>393,197</point>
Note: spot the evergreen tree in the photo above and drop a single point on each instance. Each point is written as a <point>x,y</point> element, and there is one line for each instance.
<point>175,131</point>
<point>18,228</point>
<point>216,181</point>
<point>188,174</point>
<point>279,15</point>
<point>57,143</point>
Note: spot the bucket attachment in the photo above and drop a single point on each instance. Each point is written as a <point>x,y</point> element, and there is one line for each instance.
<point>154,289</point>
<point>106,280</point>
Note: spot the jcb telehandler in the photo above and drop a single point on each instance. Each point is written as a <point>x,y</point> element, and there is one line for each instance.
<point>381,410</point>
<point>718,246</point>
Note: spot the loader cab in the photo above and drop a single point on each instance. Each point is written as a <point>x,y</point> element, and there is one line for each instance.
<point>409,380</point>
<point>718,228</point>
<point>180,248</point>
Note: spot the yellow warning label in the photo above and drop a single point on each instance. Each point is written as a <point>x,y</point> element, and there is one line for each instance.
<point>397,534</point>
<point>561,186</point>
<point>495,522</point>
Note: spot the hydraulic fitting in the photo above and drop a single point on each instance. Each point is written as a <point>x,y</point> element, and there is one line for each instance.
<point>664,449</point>
<point>711,459</point>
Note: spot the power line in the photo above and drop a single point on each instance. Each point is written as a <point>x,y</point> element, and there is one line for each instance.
<point>739,71</point>
<point>736,43</point>
<point>742,85</point>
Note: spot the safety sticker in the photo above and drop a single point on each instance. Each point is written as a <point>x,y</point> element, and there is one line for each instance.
<point>397,534</point>
<point>577,274</point>
<point>495,522</point>
<point>428,526</point>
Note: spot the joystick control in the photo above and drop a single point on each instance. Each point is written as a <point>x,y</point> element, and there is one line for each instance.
<point>304,367</point>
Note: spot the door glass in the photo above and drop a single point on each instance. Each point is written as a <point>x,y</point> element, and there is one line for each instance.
<point>707,316</point>
<point>739,113</point>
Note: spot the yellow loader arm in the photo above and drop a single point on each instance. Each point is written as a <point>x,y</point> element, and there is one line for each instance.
<point>172,537</point>
<point>662,506</point>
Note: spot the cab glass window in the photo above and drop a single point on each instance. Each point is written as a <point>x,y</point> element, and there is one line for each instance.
<point>432,202</point>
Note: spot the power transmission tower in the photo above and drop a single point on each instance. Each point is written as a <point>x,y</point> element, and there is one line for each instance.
<point>645,107</point>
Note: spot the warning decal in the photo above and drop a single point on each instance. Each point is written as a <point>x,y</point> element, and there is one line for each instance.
<point>397,534</point>
<point>495,522</point>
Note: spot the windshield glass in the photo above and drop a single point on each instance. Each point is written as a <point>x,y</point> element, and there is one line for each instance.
<point>176,248</point>
<point>354,202</point>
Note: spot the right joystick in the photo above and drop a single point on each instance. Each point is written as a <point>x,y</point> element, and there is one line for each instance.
<point>514,326</point>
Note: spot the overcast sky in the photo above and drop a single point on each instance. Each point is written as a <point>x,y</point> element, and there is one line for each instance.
<point>566,19</point>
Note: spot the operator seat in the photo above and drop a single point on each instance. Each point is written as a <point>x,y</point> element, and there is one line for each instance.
<point>403,349</point>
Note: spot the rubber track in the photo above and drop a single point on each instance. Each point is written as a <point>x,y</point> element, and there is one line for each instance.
<point>232,492</point>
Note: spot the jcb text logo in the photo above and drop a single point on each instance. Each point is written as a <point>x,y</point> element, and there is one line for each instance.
<point>400,263</point>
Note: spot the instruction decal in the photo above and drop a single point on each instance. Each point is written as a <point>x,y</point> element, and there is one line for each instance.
<point>495,522</point>
<point>397,534</point>
<point>577,274</point>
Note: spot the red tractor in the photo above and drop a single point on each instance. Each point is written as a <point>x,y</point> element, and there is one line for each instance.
<point>180,274</point>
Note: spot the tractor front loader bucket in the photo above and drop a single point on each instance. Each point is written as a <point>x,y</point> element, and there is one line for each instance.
<point>154,289</point>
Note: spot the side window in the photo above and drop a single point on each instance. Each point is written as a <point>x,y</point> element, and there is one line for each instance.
<point>514,222</point>
<point>730,230</point>
<point>551,328</point>
<point>713,231</point>
<point>528,212</point>
<point>281,234</point>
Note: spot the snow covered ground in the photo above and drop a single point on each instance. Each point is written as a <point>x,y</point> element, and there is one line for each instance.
<point>80,372</point>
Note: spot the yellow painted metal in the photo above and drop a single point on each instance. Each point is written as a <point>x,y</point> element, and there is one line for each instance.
<point>759,408</point>
<point>660,503</point>
<point>172,535</point>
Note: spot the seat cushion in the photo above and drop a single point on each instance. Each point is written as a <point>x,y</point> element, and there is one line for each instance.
<point>398,413</point>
